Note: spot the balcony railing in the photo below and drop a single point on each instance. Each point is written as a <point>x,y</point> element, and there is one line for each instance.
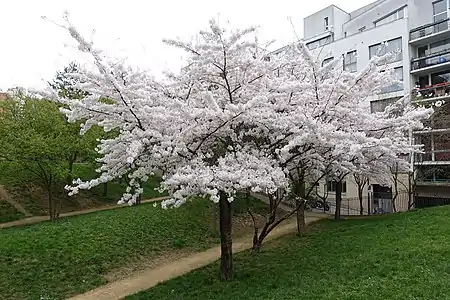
<point>429,29</point>
<point>431,60</point>
<point>430,92</point>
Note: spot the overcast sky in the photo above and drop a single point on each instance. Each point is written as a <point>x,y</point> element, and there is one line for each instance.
<point>32,49</point>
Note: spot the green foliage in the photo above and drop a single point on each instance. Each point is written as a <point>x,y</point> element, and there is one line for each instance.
<point>37,143</point>
<point>401,256</point>
<point>64,83</point>
<point>72,255</point>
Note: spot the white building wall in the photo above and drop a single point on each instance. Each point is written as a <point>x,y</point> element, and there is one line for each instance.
<point>314,25</point>
<point>421,12</point>
<point>368,18</point>
<point>362,41</point>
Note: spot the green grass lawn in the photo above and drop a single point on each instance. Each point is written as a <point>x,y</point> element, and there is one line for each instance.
<point>74,254</point>
<point>402,256</point>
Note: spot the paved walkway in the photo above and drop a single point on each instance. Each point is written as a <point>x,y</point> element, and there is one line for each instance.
<point>38,219</point>
<point>149,278</point>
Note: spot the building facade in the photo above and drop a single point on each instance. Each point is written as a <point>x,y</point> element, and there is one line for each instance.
<point>418,32</point>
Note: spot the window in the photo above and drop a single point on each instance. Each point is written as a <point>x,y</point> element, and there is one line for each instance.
<point>441,77</point>
<point>350,62</point>
<point>396,86</point>
<point>327,61</point>
<point>440,46</point>
<point>380,105</point>
<point>331,186</point>
<point>440,14</point>
<point>319,43</point>
<point>396,15</point>
<point>326,23</point>
<point>392,46</point>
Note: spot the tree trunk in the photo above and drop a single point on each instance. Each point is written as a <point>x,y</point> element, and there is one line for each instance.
<point>360,196</point>
<point>301,224</point>
<point>226,253</point>
<point>300,204</point>
<point>337,214</point>
<point>105,189</point>
<point>51,203</point>
<point>138,200</point>
<point>70,169</point>
<point>214,218</point>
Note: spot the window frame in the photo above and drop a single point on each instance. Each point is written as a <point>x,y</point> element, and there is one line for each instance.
<point>384,48</point>
<point>397,14</point>
<point>333,183</point>
<point>348,61</point>
<point>439,13</point>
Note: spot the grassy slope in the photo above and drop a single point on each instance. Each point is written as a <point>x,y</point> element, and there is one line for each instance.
<point>403,256</point>
<point>35,200</point>
<point>73,254</point>
<point>8,213</point>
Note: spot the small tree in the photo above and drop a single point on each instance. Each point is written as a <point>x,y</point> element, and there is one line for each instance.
<point>361,182</point>
<point>35,138</point>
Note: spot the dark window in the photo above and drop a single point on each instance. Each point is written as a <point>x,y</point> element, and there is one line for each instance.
<point>424,81</point>
<point>440,77</point>
<point>331,186</point>
<point>326,23</point>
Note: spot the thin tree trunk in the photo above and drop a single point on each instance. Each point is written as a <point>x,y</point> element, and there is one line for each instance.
<point>105,189</point>
<point>360,196</point>
<point>51,202</point>
<point>70,169</point>
<point>214,218</point>
<point>226,253</point>
<point>301,224</point>
<point>300,202</point>
<point>337,214</point>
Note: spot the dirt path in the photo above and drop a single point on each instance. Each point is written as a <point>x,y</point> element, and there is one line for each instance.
<point>5,196</point>
<point>38,219</point>
<point>150,277</point>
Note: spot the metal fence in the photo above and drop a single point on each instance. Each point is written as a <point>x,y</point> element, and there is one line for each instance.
<point>380,203</point>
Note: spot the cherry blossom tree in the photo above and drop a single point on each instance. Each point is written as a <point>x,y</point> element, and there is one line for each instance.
<point>234,119</point>
<point>204,128</point>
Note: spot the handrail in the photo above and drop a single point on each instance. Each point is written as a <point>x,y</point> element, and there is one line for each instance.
<point>440,53</point>
<point>428,25</point>
<point>428,29</point>
<point>432,60</point>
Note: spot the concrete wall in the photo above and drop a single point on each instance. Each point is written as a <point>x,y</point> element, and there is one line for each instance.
<point>314,25</point>
<point>368,17</point>
<point>361,42</point>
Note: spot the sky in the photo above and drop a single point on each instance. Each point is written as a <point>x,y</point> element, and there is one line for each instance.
<point>33,49</point>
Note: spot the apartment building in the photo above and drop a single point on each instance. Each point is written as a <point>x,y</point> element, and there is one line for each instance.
<point>418,32</point>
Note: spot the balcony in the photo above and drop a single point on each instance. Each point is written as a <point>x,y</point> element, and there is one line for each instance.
<point>436,62</point>
<point>432,93</point>
<point>430,33</point>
